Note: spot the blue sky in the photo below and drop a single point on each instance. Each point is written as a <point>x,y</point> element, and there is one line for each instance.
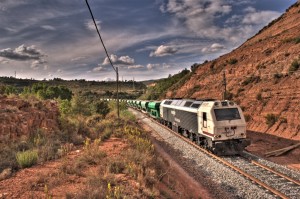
<point>146,39</point>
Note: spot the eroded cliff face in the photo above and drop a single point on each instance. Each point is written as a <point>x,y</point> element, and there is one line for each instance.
<point>19,117</point>
<point>258,77</point>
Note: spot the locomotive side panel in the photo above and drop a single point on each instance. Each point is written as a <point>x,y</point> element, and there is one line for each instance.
<point>186,120</point>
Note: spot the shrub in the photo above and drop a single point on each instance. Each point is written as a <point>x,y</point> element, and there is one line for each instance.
<point>294,66</point>
<point>271,119</point>
<point>247,117</point>
<point>258,96</point>
<point>251,79</point>
<point>233,61</point>
<point>278,76</point>
<point>27,158</point>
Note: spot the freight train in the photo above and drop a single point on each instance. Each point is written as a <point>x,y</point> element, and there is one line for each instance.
<point>218,126</point>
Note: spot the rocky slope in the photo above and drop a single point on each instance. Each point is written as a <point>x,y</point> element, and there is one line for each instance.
<point>260,77</point>
<point>19,117</point>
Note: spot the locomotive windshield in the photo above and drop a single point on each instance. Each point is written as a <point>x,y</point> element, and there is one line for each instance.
<point>227,114</point>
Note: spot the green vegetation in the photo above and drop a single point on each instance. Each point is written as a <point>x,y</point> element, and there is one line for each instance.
<point>251,79</point>
<point>271,119</point>
<point>295,40</point>
<point>27,158</point>
<point>161,87</point>
<point>232,61</point>
<point>43,91</point>
<point>259,96</point>
<point>294,66</point>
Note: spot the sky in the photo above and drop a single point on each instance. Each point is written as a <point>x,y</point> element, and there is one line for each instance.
<point>145,39</point>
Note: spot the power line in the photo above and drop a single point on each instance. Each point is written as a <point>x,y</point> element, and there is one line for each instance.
<point>100,35</point>
<point>115,68</point>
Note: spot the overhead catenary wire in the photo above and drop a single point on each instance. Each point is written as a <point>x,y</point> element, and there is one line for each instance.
<point>87,3</point>
<point>108,57</point>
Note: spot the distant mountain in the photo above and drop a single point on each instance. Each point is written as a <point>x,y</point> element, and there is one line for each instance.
<point>263,76</point>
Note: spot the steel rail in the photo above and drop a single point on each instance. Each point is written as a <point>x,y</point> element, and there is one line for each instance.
<point>276,172</point>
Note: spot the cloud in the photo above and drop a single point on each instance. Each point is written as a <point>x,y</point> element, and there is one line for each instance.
<point>22,53</point>
<point>158,66</point>
<point>213,48</point>
<point>99,68</point>
<point>152,66</point>
<point>59,70</point>
<point>78,58</point>
<point>135,66</point>
<point>36,63</point>
<point>123,60</point>
<point>91,26</point>
<point>200,16</point>
<point>162,51</point>
<point>108,79</point>
<point>48,27</point>
<point>3,61</point>
<point>259,17</point>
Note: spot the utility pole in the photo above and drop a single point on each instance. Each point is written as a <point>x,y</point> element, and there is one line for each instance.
<point>224,84</point>
<point>133,84</point>
<point>118,105</point>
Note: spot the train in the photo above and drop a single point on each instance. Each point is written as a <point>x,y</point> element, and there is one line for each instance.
<point>217,125</point>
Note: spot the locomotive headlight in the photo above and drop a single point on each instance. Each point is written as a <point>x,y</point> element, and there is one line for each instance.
<point>231,103</point>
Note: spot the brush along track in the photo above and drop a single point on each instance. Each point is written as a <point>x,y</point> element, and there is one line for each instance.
<point>282,186</point>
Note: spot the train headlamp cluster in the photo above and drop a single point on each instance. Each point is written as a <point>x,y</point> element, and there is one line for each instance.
<point>224,103</point>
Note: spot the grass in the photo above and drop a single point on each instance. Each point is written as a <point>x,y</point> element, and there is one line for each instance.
<point>27,158</point>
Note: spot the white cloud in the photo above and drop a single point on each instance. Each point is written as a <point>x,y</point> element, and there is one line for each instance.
<point>152,66</point>
<point>123,60</point>
<point>158,66</point>
<point>135,66</point>
<point>99,68</point>
<point>213,48</point>
<point>259,17</point>
<point>48,27</point>
<point>59,70</point>
<point>22,53</point>
<point>78,58</point>
<point>200,16</point>
<point>36,63</point>
<point>91,26</point>
<point>3,61</point>
<point>163,50</point>
<point>108,79</point>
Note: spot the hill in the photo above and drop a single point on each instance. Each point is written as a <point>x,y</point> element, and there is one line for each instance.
<point>262,76</point>
<point>99,88</point>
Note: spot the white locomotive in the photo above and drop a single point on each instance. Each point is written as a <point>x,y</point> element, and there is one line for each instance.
<point>216,125</point>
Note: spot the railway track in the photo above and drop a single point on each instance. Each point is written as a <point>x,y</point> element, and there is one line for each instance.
<point>277,183</point>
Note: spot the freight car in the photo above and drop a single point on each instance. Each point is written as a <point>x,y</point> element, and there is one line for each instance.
<point>218,126</point>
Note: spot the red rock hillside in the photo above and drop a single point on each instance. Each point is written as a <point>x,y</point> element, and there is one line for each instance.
<point>260,77</point>
<point>19,117</point>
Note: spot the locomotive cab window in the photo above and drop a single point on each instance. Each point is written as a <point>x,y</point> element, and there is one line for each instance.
<point>227,114</point>
<point>204,116</point>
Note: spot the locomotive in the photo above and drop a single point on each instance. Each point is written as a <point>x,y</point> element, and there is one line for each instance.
<point>218,126</point>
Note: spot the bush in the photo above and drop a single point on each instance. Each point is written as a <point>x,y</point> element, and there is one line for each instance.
<point>247,117</point>
<point>27,158</point>
<point>251,79</point>
<point>232,61</point>
<point>259,97</point>
<point>271,119</point>
<point>294,66</point>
